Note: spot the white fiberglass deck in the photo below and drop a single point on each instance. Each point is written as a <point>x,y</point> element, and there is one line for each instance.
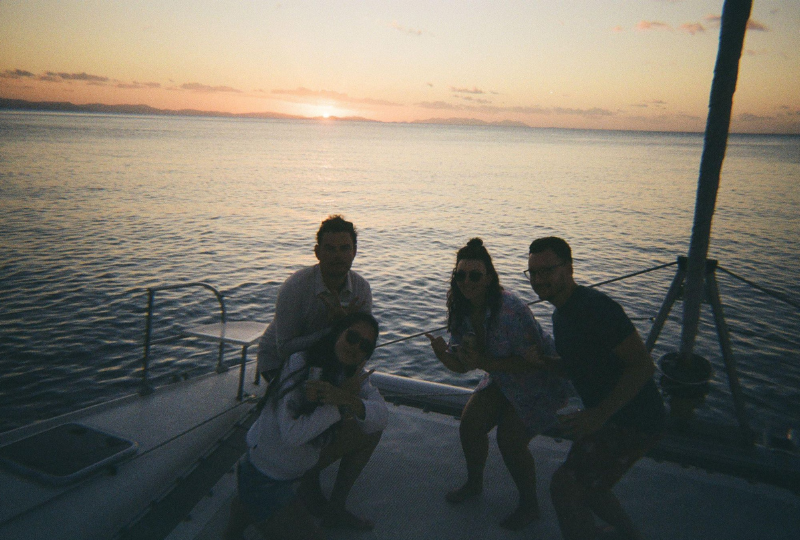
<point>419,459</point>
<point>173,427</point>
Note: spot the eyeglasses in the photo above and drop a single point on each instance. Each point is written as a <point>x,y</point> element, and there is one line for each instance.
<point>363,343</point>
<point>474,275</point>
<point>545,272</point>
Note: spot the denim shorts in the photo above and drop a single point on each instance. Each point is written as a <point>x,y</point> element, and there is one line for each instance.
<point>262,495</point>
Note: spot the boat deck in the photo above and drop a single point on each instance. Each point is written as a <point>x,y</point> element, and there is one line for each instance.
<point>419,459</point>
<point>173,428</point>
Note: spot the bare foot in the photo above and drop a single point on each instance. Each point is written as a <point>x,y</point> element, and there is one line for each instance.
<point>521,517</point>
<point>467,491</point>
<point>342,518</point>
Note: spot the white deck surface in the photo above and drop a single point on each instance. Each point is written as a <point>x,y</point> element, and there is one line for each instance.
<point>97,507</point>
<point>419,459</point>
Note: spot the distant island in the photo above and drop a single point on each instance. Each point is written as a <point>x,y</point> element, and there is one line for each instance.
<point>64,106</point>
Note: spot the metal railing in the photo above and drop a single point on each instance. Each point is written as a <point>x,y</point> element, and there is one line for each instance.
<point>148,388</point>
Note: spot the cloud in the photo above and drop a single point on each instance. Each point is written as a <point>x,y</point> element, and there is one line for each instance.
<point>757,26</point>
<point>474,100</point>
<point>16,74</point>
<point>330,94</point>
<point>528,110</point>
<point>618,29</point>
<point>692,28</point>
<point>752,25</point>
<point>466,90</point>
<point>657,103</point>
<point>593,112</point>
<point>788,111</point>
<point>652,25</point>
<point>204,88</point>
<point>137,85</point>
<point>410,31</point>
<point>747,117</point>
<point>76,77</point>
<point>441,105</point>
<point>493,109</point>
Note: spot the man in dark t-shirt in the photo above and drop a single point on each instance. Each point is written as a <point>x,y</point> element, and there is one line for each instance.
<point>601,352</point>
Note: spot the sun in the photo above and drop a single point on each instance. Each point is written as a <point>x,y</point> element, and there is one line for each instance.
<point>324,111</point>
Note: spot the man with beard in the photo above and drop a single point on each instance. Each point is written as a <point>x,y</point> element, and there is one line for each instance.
<point>601,352</point>
<point>309,302</point>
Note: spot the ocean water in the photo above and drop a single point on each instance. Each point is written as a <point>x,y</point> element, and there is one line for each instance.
<point>95,208</point>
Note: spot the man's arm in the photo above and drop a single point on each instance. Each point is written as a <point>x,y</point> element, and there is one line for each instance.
<point>637,369</point>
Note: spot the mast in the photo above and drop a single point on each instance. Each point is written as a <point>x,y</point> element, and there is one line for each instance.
<point>735,14</point>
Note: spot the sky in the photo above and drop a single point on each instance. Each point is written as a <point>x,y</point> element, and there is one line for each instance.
<point>597,64</point>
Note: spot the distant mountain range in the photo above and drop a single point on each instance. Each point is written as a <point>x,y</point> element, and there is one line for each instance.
<point>64,106</point>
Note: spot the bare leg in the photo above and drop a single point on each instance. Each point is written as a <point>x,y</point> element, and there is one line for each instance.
<point>570,502</point>
<point>292,522</point>
<point>354,448</point>
<point>238,521</point>
<point>513,439</point>
<point>356,456</point>
<point>310,492</point>
<point>479,417</point>
<point>606,506</point>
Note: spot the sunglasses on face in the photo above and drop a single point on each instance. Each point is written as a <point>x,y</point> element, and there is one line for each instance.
<point>474,276</point>
<point>354,338</point>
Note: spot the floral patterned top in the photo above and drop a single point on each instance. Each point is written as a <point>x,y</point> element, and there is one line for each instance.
<point>536,396</point>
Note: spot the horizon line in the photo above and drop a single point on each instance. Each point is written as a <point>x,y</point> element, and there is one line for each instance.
<point>12,104</point>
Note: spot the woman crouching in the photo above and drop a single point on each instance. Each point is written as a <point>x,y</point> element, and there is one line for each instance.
<point>306,425</point>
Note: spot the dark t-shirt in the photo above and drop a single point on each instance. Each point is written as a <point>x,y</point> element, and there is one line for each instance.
<point>586,329</point>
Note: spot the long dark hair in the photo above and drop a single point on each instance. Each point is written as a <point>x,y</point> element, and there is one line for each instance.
<point>458,306</point>
<point>320,354</point>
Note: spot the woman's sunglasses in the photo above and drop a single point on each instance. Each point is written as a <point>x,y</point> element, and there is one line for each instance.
<point>364,344</point>
<point>474,276</point>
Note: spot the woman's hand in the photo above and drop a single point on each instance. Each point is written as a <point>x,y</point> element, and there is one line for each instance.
<point>328,394</point>
<point>450,360</point>
<point>438,344</point>
<point>348,402</point>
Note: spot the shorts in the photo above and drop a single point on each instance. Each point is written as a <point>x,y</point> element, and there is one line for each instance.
<point>262,495</point>
<point>601,458</point>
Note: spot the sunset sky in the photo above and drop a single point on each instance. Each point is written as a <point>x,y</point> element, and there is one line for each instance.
<point>607,64</point>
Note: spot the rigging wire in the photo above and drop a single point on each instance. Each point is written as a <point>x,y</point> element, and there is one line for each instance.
<point>774,294</point>
<point>598,284</point>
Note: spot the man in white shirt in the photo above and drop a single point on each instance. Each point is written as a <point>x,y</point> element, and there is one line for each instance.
<point>314,297</point>
<point>308,303</point>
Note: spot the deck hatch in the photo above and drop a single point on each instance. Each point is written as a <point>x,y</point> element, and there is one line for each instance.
<point>65,453</point>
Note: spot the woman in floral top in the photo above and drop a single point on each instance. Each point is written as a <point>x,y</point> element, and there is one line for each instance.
<point>493,330</point>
